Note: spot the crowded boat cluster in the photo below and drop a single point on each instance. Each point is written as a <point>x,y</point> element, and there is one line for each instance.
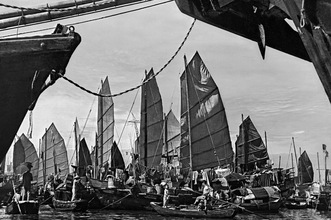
<point>176,169</point>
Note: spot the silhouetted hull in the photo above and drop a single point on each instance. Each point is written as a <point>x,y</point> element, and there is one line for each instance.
<point>25,65</point>
<point>195,213</point>
<point>25,207</point>
<point>74,206</point>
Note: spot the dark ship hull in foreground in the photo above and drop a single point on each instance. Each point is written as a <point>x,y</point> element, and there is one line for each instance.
<point>25,66</point>
<point>265,22</point>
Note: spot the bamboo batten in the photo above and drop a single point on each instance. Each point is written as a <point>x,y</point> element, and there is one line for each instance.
<point>36,17</point>
<point>42,8</point>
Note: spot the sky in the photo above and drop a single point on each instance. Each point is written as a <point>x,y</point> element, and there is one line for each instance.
<point>282,94</point>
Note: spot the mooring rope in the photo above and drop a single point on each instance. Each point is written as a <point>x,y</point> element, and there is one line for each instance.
<point>140,85</point>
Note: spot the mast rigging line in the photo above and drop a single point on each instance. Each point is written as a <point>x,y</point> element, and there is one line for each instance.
<point>82,14</point>
<point>140,85</point>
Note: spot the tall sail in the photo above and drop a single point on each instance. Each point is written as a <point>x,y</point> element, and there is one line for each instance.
<point>250,147</point>
<point>151,123</point>
<point>53,155</point>
<point>205,137</point>
<point>84,157</point>
<point>105,125</point>
<point>24,151</point>
<point>172,137</point>
<point>116,158</point>
<point>305,169</point>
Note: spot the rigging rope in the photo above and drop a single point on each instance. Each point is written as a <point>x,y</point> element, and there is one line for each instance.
<point>48,9</point>
<point>138,86</point>
<point>85,21</point>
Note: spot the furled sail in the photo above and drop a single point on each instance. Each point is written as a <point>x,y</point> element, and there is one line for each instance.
<point>53,156</point>
<point>116,158</point>
<point>105,125</point>
<point>250,148</point>
<point>205,137</point>
<point>172,137</point>
<point>305,169</point>
<point>24,151</point>
<point>151,123</point>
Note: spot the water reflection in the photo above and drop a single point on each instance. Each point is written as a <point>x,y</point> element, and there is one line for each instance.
<point>50,214</point>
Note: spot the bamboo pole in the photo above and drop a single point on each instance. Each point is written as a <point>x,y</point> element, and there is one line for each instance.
<point>279,161</point>
<point>53,15</point>
<point>42,8</point>
<point>188,117</point>
<point>319,169</point>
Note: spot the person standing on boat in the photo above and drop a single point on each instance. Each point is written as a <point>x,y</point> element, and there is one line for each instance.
<point>27,179</point>
<point>76,186</point>
<point>165,195</point>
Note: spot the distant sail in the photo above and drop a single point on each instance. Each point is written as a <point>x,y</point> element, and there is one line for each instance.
<point>53,155</point>
<point>172,137</point>
<point>105,124</point>
<point>84,157</point>
<point>24,151</point>
<point>205,136</point>
<point>305,169</point>
<point>151,123</point>
<point>116,158</point>
<point>249,143</point>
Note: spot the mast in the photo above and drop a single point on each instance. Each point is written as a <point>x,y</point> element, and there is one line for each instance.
<point>279,161</point>
<point>188,115</point>
<point>292,164</point>
<point>319,169</point>
<point>77,138</point>
<point>165,137</point>
<point>145,128</point>
<point>236,156</point>
<point>45,151</point>
<point>101,126</point>
<point>265,139</point>
<point>246,148</point>
<point>96,164</point>
<point>326,169</point>
<point>295,153</point>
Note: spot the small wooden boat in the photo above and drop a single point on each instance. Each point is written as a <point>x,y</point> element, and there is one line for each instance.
<point>296,203</point>
<point>23,207</point>
<point>75,206</point>
<point>193,212</point>
<point>261,199</point>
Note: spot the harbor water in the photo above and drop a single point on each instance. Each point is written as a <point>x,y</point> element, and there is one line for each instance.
<point>50,214</point>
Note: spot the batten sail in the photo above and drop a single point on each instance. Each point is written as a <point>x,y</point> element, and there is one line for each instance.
<point>116,158</point>
<point>305,169</point>
<point>205,137</point>
<point>53,156</point>
<point>151,123</point>
<point>172,137</point>
<point>105,124</point>
<point>24,151</point>
<point>84,157</point>
<point>250,148</point>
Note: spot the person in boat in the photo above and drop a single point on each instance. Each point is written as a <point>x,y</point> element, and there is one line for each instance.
<point>165,194</point>
<point>222,192</point>
<point>76,188</point>
<point>27,179</point>
<point>206,190</point>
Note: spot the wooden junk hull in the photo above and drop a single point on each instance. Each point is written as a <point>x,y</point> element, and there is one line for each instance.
<point>25,65</point>
<point>194,213</point>
<point>118,199</point>
<point>74,206</point>
<point>25,207</point>
<point>263,207</point>
<point>296,203</point>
